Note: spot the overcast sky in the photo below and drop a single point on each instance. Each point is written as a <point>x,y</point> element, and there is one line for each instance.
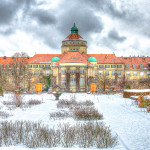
<point>109,26</point>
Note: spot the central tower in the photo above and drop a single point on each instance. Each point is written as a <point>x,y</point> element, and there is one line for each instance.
<point>74,42</point>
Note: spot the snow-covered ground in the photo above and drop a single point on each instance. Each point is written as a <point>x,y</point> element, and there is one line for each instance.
<point>131,123</point>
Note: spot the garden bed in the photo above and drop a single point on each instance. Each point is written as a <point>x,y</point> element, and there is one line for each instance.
<point>135,92</point>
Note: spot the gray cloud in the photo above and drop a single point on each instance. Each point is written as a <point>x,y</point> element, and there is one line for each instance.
<point>7,11</point>
<point>114,35</point>
<point>44,17</point>
<point>86,20</point>
<point>7,31</point>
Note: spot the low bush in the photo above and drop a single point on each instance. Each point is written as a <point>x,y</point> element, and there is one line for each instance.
<point>87,113</point>
<point>8,103</point>
<point>73,103</point>
<point>4,114</point>
<point>17,99</point>
<point>59,115</point>
<point>66,103</point>
<point>34,102</point>
<point>33,135</point>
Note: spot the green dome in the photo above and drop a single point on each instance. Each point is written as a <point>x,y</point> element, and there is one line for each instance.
<point>74,29</point>
<point>92,59</point>
<point>55,59</point>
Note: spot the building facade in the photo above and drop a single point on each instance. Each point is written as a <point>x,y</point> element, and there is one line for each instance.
<point>74,70</point>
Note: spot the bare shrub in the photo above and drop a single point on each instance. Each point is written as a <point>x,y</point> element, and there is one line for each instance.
<point>66,103</point>
<point>60,115</point>
<point>8,103</point>
<point>34,102</point>
<point>4,114</point>
<point>73,103</point>
<point>86,113</point>
<point>35,135</point>
<point>17,99</point>
<point>87,103</point>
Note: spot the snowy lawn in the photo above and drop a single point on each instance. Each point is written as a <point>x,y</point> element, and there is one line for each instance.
<point>131,123</point>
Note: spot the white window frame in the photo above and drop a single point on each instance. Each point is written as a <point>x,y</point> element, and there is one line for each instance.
<point>47,72</point>
<point>82,82</point>
<point>135,73</point>
<point>63,81</point>
<point>72,81</point>
<point>141,73</point>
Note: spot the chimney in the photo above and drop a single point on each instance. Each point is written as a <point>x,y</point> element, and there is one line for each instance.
<point>143,58</point>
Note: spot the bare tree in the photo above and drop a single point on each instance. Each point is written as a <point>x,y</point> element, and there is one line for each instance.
<point>4,70</point>
<point>144,83</point>
<point>18,67</point>
<point>103,81</point>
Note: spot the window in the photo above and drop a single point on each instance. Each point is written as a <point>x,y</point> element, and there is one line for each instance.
<point>63,71</point>
<point>134,80</point>
<point>41,72</point>
<point>63,81</point>
<point>100,72</point>
<point>70,42</point>
<point>47,66</point>
<point>112,73</point>
<point>134,66</point>
<point>107,66</point>
<point>72,71</point>
<point>101,66</point>
<point>35,66</point>
<point>6,73</point>
<point>127,65</point>
<point>95,72</point>
<point>134,73</point>
<point>77,42</point>
<point>128,73</point>
<point>81,81</point>
<point>72,81</point>
<point>148,73</point>
<point>35,72</point>
<point>47,72</point>
<point>141,73</point>
<point>113,66</point>
<point>29,66</point>
<point>119,66</point>
<point>119,73</point>
<point>141,65</point>
<point>41,66</point>
<point>106,73</point>
<point>82,71</point>
<point>6,66</point>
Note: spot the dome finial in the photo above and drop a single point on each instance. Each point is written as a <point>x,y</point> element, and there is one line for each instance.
<point>74,29</point>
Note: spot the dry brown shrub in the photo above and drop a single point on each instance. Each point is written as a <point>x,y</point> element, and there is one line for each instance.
<point>4,114</point>
<point>60,115</point>
<point>34,102</point>
<point>87,113</point>
<point>33,135</point>
<point>66,103</point>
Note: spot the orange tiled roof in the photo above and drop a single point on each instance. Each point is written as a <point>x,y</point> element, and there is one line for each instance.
<point>74,36</point>
<point>105,58</point>
<point>43,58</point>
<point>73,57</point>
<point>135,60</point>
<point>8,60</point>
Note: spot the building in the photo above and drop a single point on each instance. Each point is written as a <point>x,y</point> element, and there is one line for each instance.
<point>74,70</point>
